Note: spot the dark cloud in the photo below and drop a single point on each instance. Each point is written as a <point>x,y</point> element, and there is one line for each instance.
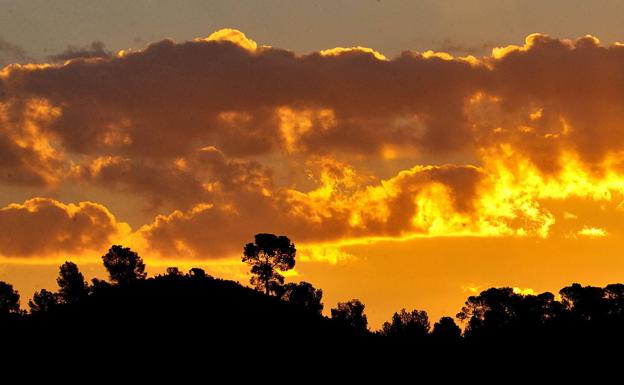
<point>153,94</point>
<point>220,94</point>
<point>12,53</point>
<point>203,176</point>
<point>579,83</point>
<point>94,50</point>
<point>461,49</point>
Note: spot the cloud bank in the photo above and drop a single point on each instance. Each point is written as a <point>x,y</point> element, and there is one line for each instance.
<point>222,137</point>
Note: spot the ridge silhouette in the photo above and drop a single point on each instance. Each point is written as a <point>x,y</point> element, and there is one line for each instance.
<point>179,312</point>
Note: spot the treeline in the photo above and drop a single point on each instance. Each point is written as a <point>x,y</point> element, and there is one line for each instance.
<point>494,316</point>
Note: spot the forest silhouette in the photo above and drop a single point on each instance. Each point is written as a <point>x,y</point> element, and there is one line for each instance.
<point>182,309</point>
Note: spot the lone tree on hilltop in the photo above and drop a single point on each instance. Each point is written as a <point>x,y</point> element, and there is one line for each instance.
<point>124,265</point>
<point>269,255</point>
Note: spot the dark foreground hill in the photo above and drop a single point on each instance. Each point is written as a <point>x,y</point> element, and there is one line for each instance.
<point>170,319</point>
<point>179,311</point>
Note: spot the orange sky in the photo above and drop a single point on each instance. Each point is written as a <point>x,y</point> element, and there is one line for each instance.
<point>406,181</point>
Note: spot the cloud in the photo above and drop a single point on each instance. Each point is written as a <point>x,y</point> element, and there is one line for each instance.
<point>203,175</point>
<point>12,53</point>
<point>42,227</point>
<point>337,51</point>
<point>233,36</point>
<point>591,232</point>
<point>194,85</point>
<point>27,153</point>
<point>576,87</point>
<point>226,92</point>
<point>95,50</point>
<point>458,48</point>
<point>224,138</point>
<point>423,201</point>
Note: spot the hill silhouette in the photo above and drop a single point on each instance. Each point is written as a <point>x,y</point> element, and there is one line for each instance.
<point>178,314</point>
<point>179,311</point>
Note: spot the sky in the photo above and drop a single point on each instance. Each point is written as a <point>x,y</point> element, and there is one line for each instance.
<point>415,152</point>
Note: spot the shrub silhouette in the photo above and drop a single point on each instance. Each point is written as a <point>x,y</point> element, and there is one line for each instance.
<point>268,255</point>
<point>123,265</point>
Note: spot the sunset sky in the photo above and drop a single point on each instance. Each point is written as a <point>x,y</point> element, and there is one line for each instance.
<point>415,152</point>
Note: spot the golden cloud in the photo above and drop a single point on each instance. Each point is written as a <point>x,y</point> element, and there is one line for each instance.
<point>44,227</point>
<point>341,51</point>
<point>28,155</point>
<point>233,36</point>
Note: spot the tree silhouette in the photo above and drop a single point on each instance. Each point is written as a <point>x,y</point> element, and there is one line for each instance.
<point>305,295</point>
<point>446,330</point>
<point>72,285</point>
<point>9,299</point>
<point>585,303</point>
<point>124,265</point>
<point>269,255</point>
<point>173,271</point>
<point>351,313</point>
<point>500,310</point>
<point>43,301</point>
<point>414,324</point>
<point>491,310</point>
<point>97,285</point>
<point>614,294</point>
<point>198,273</point>
<point>497,318</point>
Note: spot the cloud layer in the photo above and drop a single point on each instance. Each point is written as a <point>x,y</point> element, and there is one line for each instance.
<point>223,137</point>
